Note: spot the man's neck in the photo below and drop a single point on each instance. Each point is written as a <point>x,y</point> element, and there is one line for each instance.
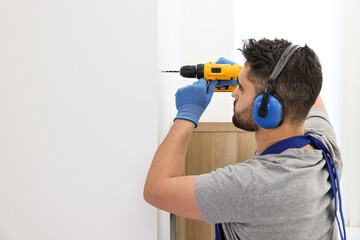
<point>267,137</point>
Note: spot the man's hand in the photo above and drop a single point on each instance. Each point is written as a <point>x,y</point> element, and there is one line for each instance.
<point>225,82</point>
<point>192,100</point>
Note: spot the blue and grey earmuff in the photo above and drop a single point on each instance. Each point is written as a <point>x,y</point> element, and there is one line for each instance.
<point>275,111</point>
<point>268,108</point>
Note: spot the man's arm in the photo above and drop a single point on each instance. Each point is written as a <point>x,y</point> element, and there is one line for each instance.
<point>165,187</point>
<point>319,103</point>
<point>318,124</point>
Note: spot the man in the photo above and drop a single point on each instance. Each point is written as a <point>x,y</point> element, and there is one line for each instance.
<point>286,195</point>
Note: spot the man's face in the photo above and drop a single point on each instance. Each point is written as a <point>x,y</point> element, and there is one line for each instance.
<point>244,97</point>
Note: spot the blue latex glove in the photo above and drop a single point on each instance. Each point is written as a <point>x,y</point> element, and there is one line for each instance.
<point>225,82</point>
<point>192,100</point>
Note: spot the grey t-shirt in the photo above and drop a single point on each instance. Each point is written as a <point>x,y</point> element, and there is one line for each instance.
<point>275,196</point>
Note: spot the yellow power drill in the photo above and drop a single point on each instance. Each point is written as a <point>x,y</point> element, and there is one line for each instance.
<point>212,71</point>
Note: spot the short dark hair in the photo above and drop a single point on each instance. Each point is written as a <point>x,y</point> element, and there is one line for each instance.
<point>298,84</point>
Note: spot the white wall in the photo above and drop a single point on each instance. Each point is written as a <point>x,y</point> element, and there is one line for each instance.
<point>350,113</point>
<point>78,123</point>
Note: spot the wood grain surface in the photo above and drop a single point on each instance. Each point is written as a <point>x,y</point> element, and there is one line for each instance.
<point>213,145</point>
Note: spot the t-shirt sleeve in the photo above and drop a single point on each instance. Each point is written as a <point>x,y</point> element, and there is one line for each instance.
<point>318,124</point>
<point>226,195</point>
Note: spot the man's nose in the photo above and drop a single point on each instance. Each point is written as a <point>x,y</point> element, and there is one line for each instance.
<point>234,94</point>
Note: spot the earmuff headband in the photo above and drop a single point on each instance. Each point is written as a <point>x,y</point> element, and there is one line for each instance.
<point>284,59</point>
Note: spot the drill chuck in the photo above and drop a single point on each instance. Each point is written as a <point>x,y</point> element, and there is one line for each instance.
<point>192,71</point>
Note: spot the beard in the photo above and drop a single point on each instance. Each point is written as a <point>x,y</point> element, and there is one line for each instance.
<point>244,120</point>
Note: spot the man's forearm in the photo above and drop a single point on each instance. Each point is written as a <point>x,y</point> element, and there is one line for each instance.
<point>319,103</point>
<point>170,157</point>
<point>165,187</point>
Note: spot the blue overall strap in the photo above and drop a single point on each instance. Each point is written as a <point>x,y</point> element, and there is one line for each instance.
<point>219,232</point>
<point>334,180</point>
<point>301,141</point>
<point>294,142</point>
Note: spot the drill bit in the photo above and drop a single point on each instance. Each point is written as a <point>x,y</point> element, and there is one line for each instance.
<point>170,71</point>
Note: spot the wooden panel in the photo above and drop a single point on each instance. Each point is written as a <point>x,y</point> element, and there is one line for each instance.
<point>212,145</point>
<point>209,151</point>
<point>217,127</point>
<point>246,146</point>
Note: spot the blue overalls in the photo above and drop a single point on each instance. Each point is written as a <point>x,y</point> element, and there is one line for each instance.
<point>299,142</point>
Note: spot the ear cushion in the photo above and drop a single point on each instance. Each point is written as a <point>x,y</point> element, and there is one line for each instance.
<point>275,111</point>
